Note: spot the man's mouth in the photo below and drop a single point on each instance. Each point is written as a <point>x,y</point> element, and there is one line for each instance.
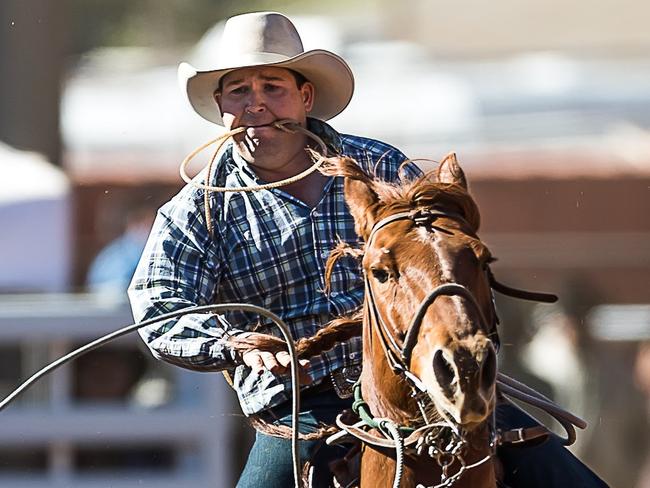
<point>255,126</point>
<point>258,129</point>
<point>259,125</point>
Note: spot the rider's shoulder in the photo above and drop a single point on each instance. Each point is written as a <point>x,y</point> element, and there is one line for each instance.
<point>365,145</point>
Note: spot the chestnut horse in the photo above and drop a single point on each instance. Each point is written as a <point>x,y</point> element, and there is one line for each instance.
<point>429,327</point>
<point>428,383</point>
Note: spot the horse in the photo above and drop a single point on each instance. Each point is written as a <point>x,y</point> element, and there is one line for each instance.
<point>428,326</point>
<point>429,329</point>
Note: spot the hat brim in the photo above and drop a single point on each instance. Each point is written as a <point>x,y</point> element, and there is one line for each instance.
<point>331,76</point>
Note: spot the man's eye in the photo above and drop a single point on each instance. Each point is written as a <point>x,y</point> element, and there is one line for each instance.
<point>240,90</point>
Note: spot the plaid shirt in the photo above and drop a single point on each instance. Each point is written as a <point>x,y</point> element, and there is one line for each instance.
<point>268,249</point>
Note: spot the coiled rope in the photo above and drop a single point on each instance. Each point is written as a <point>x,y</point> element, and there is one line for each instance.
<point>285,125</point>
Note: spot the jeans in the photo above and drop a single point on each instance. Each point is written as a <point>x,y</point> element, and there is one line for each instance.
<point>547,465</point>
<point>269,464</point>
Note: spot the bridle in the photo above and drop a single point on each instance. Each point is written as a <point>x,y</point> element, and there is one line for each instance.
<point>444,441</point>
<point>399,356</point>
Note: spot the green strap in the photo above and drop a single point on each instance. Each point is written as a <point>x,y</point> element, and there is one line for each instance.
<point>361,408</point>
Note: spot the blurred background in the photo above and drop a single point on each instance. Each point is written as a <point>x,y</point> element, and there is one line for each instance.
<point>547,105</point>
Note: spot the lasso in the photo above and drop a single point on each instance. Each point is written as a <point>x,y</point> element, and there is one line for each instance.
<point>295,405</point>
<point>284,125</point>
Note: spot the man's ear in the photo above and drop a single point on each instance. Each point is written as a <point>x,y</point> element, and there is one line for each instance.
<point>216,96</point>
<point>307,92</point>
<point>450,172</point>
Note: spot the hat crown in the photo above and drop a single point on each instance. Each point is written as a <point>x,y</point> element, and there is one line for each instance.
<point>261,39</point>
<point>259,33</point>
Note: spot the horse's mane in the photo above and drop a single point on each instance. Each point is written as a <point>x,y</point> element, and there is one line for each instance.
<point>407,194</point>
<point>421,192</point>
<point>337,330</point>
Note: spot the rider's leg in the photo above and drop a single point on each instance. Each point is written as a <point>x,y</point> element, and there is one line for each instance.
<point>270,462</point>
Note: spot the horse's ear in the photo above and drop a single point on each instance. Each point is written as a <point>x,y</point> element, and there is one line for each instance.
<point>450,172</point>
<point>362,200</point>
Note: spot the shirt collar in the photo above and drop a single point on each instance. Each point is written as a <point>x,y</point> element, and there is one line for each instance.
<point>330,137</point>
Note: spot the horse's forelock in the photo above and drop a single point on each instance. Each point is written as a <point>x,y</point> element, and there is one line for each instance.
<point>423,192</point>
<point>428,193</point>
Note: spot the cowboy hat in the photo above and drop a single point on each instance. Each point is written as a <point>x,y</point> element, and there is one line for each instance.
<point>269,39</point>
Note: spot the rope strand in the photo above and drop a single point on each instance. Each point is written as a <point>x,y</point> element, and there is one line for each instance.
<point>285,125</point>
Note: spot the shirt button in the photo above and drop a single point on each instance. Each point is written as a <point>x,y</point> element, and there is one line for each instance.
<point>315,214</point>
<point>325,254</point>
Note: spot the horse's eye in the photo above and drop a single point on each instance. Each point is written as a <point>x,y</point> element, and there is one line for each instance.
<point>380,275</point>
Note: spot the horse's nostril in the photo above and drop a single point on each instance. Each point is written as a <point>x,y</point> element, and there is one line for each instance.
<point>489,369</point>
<point>444,372</point>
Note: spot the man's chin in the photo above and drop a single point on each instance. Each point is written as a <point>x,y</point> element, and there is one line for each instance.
<point>256,148</point>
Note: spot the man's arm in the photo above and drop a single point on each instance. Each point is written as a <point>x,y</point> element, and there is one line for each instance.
<point>179,268</point>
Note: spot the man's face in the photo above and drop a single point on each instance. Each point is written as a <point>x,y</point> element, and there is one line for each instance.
<point>257,97</point>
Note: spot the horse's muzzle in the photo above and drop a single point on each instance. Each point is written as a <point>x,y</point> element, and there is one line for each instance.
<point>465,377</point>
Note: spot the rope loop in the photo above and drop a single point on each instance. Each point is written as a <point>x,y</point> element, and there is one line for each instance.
<point>285,125</point>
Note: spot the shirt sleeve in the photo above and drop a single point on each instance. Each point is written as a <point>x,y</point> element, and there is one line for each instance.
<point>179,268</point>
<point>382,160</point>
<point>394,166</point>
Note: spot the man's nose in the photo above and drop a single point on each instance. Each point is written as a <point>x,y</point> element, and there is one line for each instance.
<point>256,103</point>
<point>255,109</point>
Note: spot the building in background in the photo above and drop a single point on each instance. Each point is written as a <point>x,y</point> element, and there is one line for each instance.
<point>35,210</point>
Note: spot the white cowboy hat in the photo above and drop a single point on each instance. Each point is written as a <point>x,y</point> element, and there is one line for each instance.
<point>269,39</point>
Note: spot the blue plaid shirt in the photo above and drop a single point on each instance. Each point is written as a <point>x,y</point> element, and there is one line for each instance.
<point>268,249</point>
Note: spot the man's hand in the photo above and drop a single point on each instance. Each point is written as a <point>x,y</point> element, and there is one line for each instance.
<point>277,363</point>
<point>266,352</point>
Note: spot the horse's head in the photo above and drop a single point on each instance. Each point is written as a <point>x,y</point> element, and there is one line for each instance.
<point>428,294</point>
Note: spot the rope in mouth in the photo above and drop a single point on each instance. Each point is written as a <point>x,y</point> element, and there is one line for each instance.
<point>285,125</point>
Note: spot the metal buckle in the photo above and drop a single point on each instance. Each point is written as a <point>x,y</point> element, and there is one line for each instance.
<point>343,380</point>
<point>520,436</point>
